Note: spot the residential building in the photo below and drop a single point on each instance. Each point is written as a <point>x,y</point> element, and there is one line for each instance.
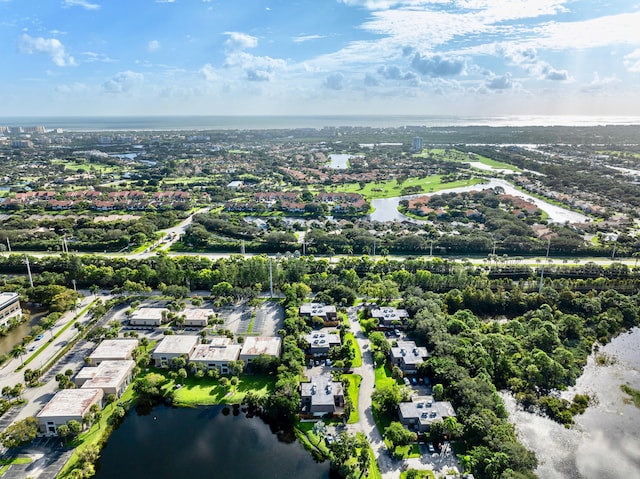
<point>422,411</point>
<point>215,356</point>
<point>321,395</point>
<point>66,405</point>
<point>173,346</point>
<point>254,346</point>
<point>147,317</point>
<point>321,341</point>
<point>112,377</point>
<point>9,307</point>
<point>407,356</point>
<point>113,350</point>
<point>327,313</point>
<point>390,317</point>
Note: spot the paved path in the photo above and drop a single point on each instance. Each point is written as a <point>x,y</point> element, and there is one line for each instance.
<point>389,467</point>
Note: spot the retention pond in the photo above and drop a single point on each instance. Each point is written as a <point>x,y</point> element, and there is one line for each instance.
<point>203,442</point>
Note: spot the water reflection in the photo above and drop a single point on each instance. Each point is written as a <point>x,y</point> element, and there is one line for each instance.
<point>203,442</point>
<point>386,209</point>
<point>605,442</point>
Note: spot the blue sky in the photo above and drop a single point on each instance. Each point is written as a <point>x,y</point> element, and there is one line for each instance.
<point>300,57</point>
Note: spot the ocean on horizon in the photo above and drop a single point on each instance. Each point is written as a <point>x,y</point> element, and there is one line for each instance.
<point>201,123</point>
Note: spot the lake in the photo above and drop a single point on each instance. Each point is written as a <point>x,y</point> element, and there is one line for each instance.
<point>605,441</point>
<point>203,442</point>
<point>386,209</point>
<point>339,161</point>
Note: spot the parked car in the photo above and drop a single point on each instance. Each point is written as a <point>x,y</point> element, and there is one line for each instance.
<point>413,381</point>
<point>406,382</point>
<point>327,362</point>
<point>329,439</point>
<point>431,448</point>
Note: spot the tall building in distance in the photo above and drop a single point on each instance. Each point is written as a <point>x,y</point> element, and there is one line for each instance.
<point>416,144</point>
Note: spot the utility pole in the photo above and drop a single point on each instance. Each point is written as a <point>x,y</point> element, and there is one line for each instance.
<point>8,244</point>
<point>242,247</point>
<point>271,277</point>
<point>542,269</point>
<point>29,271</point>
<point>374,248</point>
<point>431,249</point>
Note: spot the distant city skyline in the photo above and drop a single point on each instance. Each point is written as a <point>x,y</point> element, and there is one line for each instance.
<point>334,57</point>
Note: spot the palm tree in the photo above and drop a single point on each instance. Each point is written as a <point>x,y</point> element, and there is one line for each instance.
<point>19,350</point>
<point>452,427</point>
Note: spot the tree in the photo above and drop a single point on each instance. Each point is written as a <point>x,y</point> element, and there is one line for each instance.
<point>452,427</point>
<point>343,449</point>
<point>236,367</point>
<point>364,458</point>
<point>18,351</point>
<point>20,433</point>
<point>63,431</point>
<point>75,427</point>
<point>398,435</point>
<point>320,430</point>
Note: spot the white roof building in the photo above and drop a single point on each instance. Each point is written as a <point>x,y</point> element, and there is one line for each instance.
<point>254,346</point>
<point>113,350</point>
<point>67,405</point>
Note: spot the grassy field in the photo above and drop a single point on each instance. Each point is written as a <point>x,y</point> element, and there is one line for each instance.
<point>455,155</point>
<point>208,391</point>
<point>391,188</point>
<point>357,360</point>
<point>354,393</point>
<point>86,167</point>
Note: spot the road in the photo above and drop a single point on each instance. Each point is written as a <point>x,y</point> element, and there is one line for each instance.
<point>389,468</point>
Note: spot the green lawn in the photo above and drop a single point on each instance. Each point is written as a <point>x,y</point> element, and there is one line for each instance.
<point>406,452</point>
<point>421,474</point>
<point>357,360</point>
<point>383,377</point>
<point>455,155</point>
<point>391,188</point>
<point>6,463</point>
<point>354,394</point>
<point>207,391</point>
<point>311,442</point>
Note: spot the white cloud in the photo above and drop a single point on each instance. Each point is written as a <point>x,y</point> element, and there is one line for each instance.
<point>123,82</point>
<point>632,61</point>
<point>438,66</point>
<point>209,73</point>
<point>598,84</point>
<point>239,41</point>
<point>502,82</point>
<point>335,81</point>
<point>306,38</point>
<point>153,45</point>
<point>91,57</point>
<point>76,87</point>
<point>81,3</point>
<point>49,46</point>
<point>527,58</point>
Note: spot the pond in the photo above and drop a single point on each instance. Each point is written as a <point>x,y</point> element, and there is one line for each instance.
<point>339,161</point>
<point>605,441</point>
<point>386,209</point>
<point>203,442</point>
